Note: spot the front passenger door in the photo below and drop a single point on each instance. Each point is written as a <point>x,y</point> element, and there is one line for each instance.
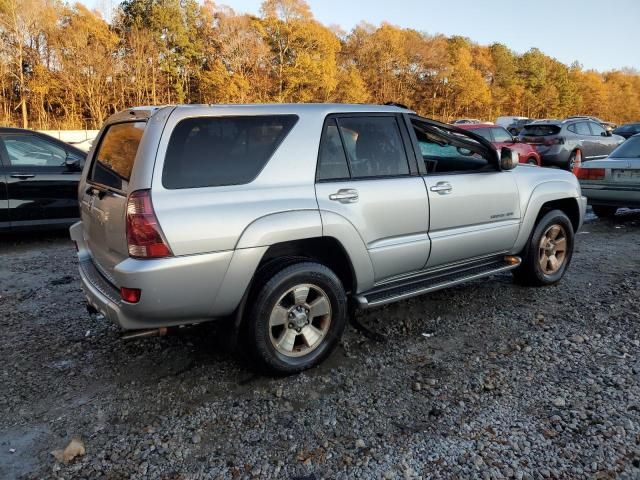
<point>474,206</point>
<point>40,186</point>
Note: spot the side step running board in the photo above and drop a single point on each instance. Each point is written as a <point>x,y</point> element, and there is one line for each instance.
<point>432,281</point>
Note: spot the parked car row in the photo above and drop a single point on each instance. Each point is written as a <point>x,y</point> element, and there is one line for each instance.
<point>500,137</point>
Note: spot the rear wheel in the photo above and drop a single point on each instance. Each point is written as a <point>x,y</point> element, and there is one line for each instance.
<point>575,160</point>
<point>604,211</point>
<point>549,251</point>
<point>297,318</point>
<point>532,161</point>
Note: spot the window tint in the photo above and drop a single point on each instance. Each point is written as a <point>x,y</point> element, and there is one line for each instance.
<point>217,151</point>
<point>582,128</point>
<point>483,132</point>
<point>332,161</point>
<point>443,152</point>
<point>32,151</point>
<point>597,129</point>
<point>374,146</point>
<point>116,153</point>
<point>500,135</point>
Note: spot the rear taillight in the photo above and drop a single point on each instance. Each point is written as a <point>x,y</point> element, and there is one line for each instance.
<point>554,141</point>
<point>144,237</point>
<point>130,295</point>
<point>590,173</point>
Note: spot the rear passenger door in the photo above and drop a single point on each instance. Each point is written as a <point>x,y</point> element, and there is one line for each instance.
<point>367,174</point>
<point>474,206</point>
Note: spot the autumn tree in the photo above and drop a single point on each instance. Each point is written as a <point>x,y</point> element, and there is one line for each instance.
<point>303,52</point>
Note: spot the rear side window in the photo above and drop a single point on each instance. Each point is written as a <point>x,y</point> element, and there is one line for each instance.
<point>483,132</point>
<point>113,161</point>
<point>581,128</point>
<point>374,146</point>
<point>218,151</point>
<point>332,162</point>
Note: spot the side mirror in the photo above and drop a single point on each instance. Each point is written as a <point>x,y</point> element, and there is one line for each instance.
<point>508,159</point>
<point>608,133</point>
<point>72,164</point>
<point>515,139</point>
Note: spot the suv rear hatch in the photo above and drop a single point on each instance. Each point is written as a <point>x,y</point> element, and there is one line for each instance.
<point>104,194</point>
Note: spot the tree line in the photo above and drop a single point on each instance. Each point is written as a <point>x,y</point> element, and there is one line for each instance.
<point>64,66</point>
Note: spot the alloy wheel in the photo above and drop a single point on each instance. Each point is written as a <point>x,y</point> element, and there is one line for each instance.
<point>300,320</point>
<point>552,249</point>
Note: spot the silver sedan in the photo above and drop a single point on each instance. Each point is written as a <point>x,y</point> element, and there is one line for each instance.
<point>613,182</point>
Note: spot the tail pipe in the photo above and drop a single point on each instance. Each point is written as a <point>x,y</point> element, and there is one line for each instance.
<point>154,332</point>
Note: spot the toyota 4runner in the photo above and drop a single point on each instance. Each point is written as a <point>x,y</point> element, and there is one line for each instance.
<point>283,217</point>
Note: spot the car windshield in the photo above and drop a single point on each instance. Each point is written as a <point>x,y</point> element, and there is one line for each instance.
<point>629,149</point>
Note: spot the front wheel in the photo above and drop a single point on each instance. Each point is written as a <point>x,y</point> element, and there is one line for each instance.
<point>532,161</point>
<point>548,252</point>
<point>297,318</point>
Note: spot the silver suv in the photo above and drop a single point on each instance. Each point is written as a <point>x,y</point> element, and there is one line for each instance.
<point>282,218</point>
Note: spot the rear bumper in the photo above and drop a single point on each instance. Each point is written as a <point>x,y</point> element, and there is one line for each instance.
<point>554,157</point>
<point>175,291</point>
<point>610,195</point>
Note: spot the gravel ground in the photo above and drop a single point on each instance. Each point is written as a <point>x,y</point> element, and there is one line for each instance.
<point>486,380</point>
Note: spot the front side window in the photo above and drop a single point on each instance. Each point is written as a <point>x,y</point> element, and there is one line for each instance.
<point>31,151</point>
<point>113,161</point>
<point>374,146</point>
<point>218,151</point>
<point>500,135</point>
<point>446,152</point>
<point>597,129</point>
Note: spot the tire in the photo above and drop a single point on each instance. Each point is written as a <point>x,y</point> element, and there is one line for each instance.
<point>281,334</point>
<point>531,271</point>
<point>532,161</point>
<point>604,211</point>
<point>575,160</point>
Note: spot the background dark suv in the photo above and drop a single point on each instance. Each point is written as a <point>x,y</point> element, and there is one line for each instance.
<point>566,142</point>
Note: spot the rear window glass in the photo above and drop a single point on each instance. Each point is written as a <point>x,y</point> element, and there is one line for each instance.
<point>217,151</point>
<point>629,149</point>
<point>540,130</point>
<point>116,153</point>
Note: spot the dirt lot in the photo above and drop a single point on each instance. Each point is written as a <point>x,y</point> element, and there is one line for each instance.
<point>487,380</point>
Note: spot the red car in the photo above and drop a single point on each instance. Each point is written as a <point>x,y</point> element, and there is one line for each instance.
<point>500,137</point>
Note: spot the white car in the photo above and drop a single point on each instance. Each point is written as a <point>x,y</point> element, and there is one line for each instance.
<point>613,182</point>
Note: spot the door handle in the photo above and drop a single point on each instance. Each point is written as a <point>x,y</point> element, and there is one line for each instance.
<point>442,188</point>
<point>345,195</point>
<point>22,176</point>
